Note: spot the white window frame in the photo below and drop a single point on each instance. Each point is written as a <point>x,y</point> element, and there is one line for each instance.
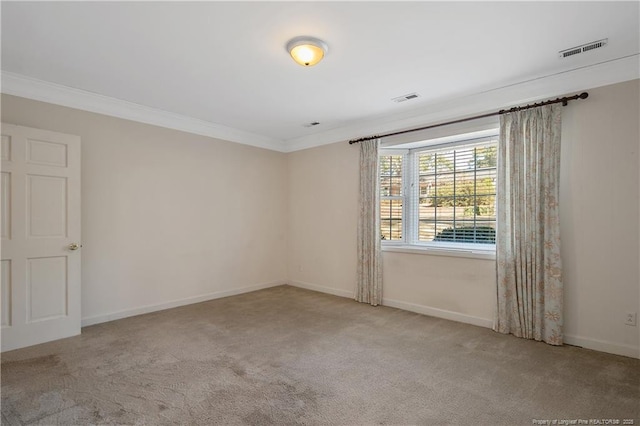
<point>410,202</point>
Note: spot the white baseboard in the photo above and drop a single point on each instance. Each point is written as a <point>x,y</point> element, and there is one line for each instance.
<point>323,289</point>
<point>405,306</point>
<point>97,319</point>
<point>603,346</point>
<point>588,343</point>
<point>438,313</point>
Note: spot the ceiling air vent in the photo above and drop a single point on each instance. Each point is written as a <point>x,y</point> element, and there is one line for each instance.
<point>584,48</point>
<point>405,97</point>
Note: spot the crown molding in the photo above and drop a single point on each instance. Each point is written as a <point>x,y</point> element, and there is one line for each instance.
<point>579,79</point>
<point>550,86</point>
<point>31,88</point>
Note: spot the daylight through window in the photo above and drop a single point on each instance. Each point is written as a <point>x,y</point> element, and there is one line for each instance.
<point>391,196</point>
<point>442,195</point>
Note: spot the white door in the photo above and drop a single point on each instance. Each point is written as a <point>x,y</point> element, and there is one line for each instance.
<point>40,207</point>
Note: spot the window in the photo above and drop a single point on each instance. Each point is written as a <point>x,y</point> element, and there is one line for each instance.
<point>440,195</point>
<point>391,198</point>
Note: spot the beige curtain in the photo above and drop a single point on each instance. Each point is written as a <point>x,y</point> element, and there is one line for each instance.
<point>369,284</point>
<point>529,269</point>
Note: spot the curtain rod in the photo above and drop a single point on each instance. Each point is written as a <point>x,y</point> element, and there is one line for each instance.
<point>565,101</point>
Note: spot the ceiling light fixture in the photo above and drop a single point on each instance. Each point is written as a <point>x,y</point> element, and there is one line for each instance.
<point>307,51</point>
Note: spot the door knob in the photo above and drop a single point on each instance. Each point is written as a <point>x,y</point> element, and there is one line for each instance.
<point>74,246</point>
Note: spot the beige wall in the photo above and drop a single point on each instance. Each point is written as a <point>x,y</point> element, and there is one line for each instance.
<point>323,206</point>
<point>167,217</point>
<point>170,217</point>
<point>323,203</point>
<point>600,217</point>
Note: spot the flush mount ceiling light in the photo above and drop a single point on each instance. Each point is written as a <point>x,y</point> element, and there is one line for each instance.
<point>307,51</point>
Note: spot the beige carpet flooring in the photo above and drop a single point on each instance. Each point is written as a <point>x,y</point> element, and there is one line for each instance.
<point>290,356</point>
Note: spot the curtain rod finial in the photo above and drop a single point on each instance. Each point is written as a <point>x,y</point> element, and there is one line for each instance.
<point>584,95</point>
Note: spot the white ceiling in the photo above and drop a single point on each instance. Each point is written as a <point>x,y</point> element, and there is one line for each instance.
<point>223,65</point>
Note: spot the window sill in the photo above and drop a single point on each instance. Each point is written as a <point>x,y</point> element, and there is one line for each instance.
<point>414,249</point>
